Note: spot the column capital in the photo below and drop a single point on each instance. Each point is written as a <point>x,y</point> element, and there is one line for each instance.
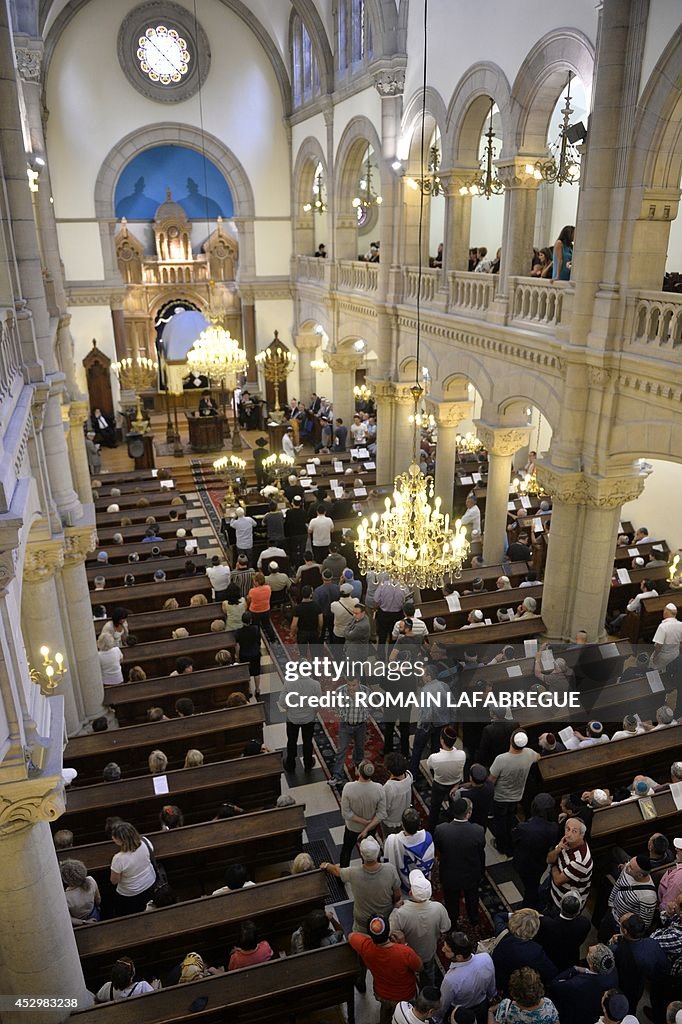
<point>344,362</point>
<point>451,414</point>
<point>79,541</point>
<point>30,60</point>
<point>39,397</point>
<point>596,492</point>
<point>307,342</point>
<point>10,527</point>
<point>29,801</point>
<point>389,80</point>
<point>42,560</point>
<point>455,178</point>
<point>502,440</point>
<point>514,173</point>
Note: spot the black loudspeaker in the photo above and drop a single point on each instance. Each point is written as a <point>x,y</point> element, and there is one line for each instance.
<point>135,444</point>
<point>576,133</point>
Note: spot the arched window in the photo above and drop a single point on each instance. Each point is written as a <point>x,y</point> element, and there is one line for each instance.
<point>353,36</point>
<point>305,69</point>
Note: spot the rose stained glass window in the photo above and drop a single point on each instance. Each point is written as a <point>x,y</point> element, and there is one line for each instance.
<point>163,55</point>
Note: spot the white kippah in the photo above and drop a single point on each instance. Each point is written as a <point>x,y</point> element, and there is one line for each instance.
<point>520,740</point>
<point>671,608</point>
<point>478,615</point>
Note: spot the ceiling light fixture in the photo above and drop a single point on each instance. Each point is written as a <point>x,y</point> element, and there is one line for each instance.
<point>565,169</point>
<point>487,184</point>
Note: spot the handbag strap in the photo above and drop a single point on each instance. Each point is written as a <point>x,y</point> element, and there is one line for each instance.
<point>152,855</point>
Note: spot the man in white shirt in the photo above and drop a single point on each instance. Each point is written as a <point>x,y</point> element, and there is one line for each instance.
<point>218,573</point>
<point>446,768</point>
<point>667,638</point>
<point>358,430</point>
<point>422,922</point>
<point>615,1009</point>
<point>320,529</point>
<point>647,589</point>
<point>595,735</point>
<point>243,526</point>
<point>420,1009</point>
<point>288,446</point>
<point>472,517</point>
<point>268,553</point>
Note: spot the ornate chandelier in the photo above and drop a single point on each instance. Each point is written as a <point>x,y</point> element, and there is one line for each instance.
<point>566,169</point>
<point>412,540</point>
<point>217,354</point>
<point>362,392</point>
<point>320,365</point>
<point>318,205</point>
<point>366,195</point>
<point>528,483</point>
<point>468,442</point>
<point>488,184</point>
<point>432,185</point>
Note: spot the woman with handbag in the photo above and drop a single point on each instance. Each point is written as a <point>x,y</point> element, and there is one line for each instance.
<point>133,870</point>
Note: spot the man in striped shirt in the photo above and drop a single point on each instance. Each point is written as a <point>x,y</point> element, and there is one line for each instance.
<point>571,863</point>
<point>633,893</point>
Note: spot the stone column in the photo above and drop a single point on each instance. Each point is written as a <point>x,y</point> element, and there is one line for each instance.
<point>85,667</point>
<point>457,219</point>
<point>403,430</point>
<point>249,334</point>
<point>118,321</point>
<point>306,343</point>
<point>41,623</point>
<point>344,366</point>
<point>501,442</point>
<point>520,200</point>
<point>38,953</point>
<point>78,413</point>
<point>449,415</point>
<point>383,399</point>
<point>585,517</point>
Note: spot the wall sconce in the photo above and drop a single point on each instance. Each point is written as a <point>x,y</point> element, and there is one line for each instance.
<point>52,671</point>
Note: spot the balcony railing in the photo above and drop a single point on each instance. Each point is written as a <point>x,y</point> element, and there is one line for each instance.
<point>357,276</point>
<point>10,351</point>
<point>470,293</point>
<point>411,286</point>
<point>655,321</point>
<point>178,272</point>
<point>537,301</point>
<point>311,268</point>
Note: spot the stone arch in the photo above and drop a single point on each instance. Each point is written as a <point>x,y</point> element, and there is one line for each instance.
<point>533,390</point>
<point>472,370</point>
<point>309,155</point>
<point>238,7</point>
<point>436,117</point>
<point>659,439</point>
<point>389,27</point>
<point>184,135</point>
<point>468,109</point>
<point>311,19</point>
<point>357,134</point>
<point>657,140</point>
<point>540,82</point>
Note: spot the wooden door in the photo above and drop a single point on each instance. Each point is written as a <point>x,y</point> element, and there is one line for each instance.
<point>98,374</point>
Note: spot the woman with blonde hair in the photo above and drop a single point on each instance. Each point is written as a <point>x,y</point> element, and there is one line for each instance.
<point>218,626</point>
<point>126,521</point>
<point>150,521</point>
<point>302,862</point>
<point>82,893</point>
<point>110,657</point>
<point>137,674</point>
<point>224,657</point>
<point>177,500</point>
<point>193,759</point>
<point>528,1003</point>
<point>171,605</point>
<point>197,600</point>
<point>158,762</point>
<point>519,949</point>
<point>132,869</point>
<point>180,633</point>
<point>142,503</point>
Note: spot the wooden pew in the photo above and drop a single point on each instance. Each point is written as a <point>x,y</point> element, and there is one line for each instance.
<point>621,593</point>
<point>148,626</point>
<point>250,782</point>
<point>218,734</point>
<point>195,856</point>
<point>611,763</point>
<point>624,826</point>
<point>145,568</point>
<point>498,634</point>
<point>151,596</point>
<point>134,534</point>
<point>652,549</point>
<point>128,500</point>
<point>641,627</point>
<point>118,553</point>
<point>489,602</point>
<point>158,657</point>
<point>138,515</point>
<point>288,988</point>
<point>210,924</point>
<point>208,689</point>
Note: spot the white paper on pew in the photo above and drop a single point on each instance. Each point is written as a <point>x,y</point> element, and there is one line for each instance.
<point>310,468</point>
<point>537,525</point>
<point>676,794</point>
<point>510,614</point>
<point>623,576</point>
<point>620,527</point>
<point>417,613</point>
<point>355,453</point>
<point>306,481</point>
<point>525,501</point>
<point>357,507</point>
<point>657,547</point>
<point>155,473</point>
<point>547,661</point>
<point>160,784</point>
<point>363,453</point>
<point>191,546</point>
<point>370,465</point>
<point>566,734</point>
<point>608,650</point>
<point>476,477</point>
<point>334,482</point>
<point>655,682</point>
<point>168,484</point>
<point>453,602</point>
<point>511,507</point>
<point>637,719</point>
<point>514,670</point>
<point>360,492</point>
<point>466,480</point>
<point>530,648</point>
<point>487,622</point>
<point>633,552</point>
<point>338,467</point>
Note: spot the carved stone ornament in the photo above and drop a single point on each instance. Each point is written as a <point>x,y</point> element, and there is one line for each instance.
<point>502,440</point>
<point>29,63</point>
<point>344,362</point>
<point>598,376</point>
<point>32,803</point>
<point>41,393</point>
<point>452,414</point>
<point>42,560</point>
<point>389,83</point>
<point>78,543</point>
<point>595,492</point>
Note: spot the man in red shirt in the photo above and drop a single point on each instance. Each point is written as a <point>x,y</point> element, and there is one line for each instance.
<point>393,965</point>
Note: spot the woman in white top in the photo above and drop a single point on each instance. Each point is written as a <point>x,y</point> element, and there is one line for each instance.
<point>81,891</point>
<point>132,871</point>
<point>233,607</point>
<point>110,658</point>
<point>123,984</point>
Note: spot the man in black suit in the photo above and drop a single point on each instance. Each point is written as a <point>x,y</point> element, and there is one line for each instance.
<point>105,431</point>
<point>561,937</point>
<point>315,404</point>
<point>577,992</point>
<point>207,406</point>
<point>520,550</point>
<point>495,737</point>
<point>460,850</point>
